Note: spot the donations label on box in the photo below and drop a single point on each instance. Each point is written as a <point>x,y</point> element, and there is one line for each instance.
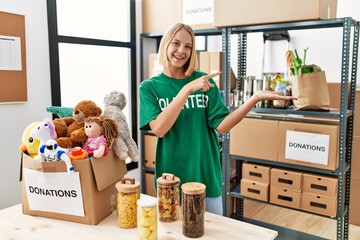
<point>198,12</point>
<point>58,192</point>
<point>308,147</point>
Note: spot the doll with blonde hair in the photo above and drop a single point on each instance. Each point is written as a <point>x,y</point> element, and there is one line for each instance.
<point>101,132</point>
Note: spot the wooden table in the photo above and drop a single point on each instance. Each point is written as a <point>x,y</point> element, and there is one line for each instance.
<point>16,225</point>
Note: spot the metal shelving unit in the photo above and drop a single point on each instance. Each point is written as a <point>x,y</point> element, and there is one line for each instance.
<point>344,116</point>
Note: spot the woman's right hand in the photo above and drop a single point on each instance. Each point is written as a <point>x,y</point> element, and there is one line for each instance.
<point>202,83</point>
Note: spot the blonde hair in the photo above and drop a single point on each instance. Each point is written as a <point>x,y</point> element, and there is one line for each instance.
<point>192,63</point>
<point>108,127</point>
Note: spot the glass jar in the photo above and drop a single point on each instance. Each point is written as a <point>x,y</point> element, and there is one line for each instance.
<point>168,197</point>
<point>127,195</point>
<point>147,218</point>
<point>193,209</point>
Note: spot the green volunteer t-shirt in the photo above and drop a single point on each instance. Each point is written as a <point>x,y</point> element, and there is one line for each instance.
<point>190,150</point>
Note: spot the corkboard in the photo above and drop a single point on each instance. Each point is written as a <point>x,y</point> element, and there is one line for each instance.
<point>13,85</point>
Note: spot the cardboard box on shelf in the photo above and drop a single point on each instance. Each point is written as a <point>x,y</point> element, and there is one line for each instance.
<point>210,62</point>
<point>308,144</point>
<point>256,172</point>
<point>255,138</point>
<point>354,202</point>
<point>355,159</point>
<point>285,197</point>
<point>357,114</point>
<point>286,178</point>
<point>254,189</point>
<point>243,12</point>
<point>150,184</point>
<point>154,67</point>
<point>155,11</point>
<point>86,196</point>
<point>220,13</point>
<point>320,185</point>
<point>149,150</point>
<point>318,204</point>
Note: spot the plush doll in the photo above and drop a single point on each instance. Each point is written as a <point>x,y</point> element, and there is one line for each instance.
<point>52,152</point>
<point>101,131</point>
<point>124,146</point>
<point>44,131</point>
<point>29,145</point>
<point>70,130</point>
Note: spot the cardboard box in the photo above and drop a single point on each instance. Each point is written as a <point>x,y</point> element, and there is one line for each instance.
<point>149,150</point>
<point>308,144</point>
<point>211,62</point>
<point>231,12</point>
<point>255,190</point>
<point>354,202</point>
<point>96,179</point>
<point>320,185</point>
<point>357,114</point>
<point>285,197</point>
<point>243,12</point>
<point>286,178</point>
<point>255,138</point>
<point>155,11</point>
<point>355,159</point>
<point>150,184</point>
<point>319,204</point>
<point>256,172</point>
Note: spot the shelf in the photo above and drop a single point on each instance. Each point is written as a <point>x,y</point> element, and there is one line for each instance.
<point>201,32</point>
<point>291,166</point>
<point>235,192</point>
<point>313,24</point>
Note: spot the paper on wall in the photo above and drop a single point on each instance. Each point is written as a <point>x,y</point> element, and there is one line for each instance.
<point>198,12</point>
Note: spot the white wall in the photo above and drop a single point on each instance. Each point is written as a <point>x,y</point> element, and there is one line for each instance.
<point>15,117</point>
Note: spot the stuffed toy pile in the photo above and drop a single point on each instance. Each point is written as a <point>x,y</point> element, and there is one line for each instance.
<point>67,139</point>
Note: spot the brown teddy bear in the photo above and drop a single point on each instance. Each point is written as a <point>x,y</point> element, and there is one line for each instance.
<point>70,130</point>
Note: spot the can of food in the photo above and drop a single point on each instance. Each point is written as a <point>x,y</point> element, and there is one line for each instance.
<point>267,86</point>
<point>128,192</point>
<point>248,87</point>
<point>168,197</point>
<point>193,209</point>
<point>147,218</point>
<point>257,86</point>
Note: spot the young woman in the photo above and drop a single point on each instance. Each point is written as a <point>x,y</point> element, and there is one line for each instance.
<point>183,107</point>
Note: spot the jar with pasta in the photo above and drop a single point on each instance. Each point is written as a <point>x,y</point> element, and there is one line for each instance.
<point>168,197</point>
<point>147,218</point>
<point>128,192</point>
<point>193,209</point>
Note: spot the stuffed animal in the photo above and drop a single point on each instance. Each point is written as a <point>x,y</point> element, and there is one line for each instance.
<point>101,131</point>
<point>44,131</point>
<point>52,152</point>
<point>75,132</point>
<point>124,145</point>
<point>29,145</point>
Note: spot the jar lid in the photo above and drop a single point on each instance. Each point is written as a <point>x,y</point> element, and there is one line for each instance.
<point>193,188</point>
<point>168,179</point>
<point>146,201</point>
<point>127,184</point>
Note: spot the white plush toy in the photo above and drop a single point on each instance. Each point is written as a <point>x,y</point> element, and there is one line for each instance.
<point>44,131</point>
<point>124,146</point>
<point>52,152</point>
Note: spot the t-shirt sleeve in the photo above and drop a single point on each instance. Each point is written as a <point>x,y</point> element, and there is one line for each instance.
<point>217,110</point>
<point>149,107</point>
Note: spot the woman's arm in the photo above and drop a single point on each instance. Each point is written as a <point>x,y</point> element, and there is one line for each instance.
<point>236,116</point>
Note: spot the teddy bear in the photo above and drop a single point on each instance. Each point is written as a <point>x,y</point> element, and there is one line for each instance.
<point>70,130</point>
<point>124,146</point>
